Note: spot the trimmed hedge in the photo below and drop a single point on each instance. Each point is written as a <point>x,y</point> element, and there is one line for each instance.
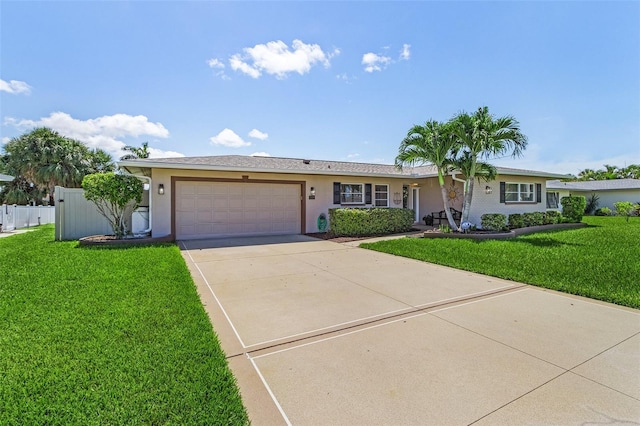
<point>354,222</point>
<point>493,221</point>
<point>516,221</point>
<point>573,207</point>
<point>552,217</point>
<point>533,219</point>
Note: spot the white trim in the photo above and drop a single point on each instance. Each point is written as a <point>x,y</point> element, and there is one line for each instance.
<point>415,203</point>
<point>374,192</point>
<point>519,193</point>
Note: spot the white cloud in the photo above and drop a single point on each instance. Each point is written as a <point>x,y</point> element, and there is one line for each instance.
<point>405,53</point>
<point>276,58</point>
<point>352,156</point>
<point>215,63</point>
<point>373,62</point>
<point>14,87</point>
<point>257,134</point>
<point>5,140</point>
<point>158,153</point>
<point>229,138</point>
<point>103,132</point>
<point>261,154</point>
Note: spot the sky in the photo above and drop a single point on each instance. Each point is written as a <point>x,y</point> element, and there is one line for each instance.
<point>329,80</point>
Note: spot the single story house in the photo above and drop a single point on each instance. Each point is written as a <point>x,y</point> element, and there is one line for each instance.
<point>4,179</point>
<point>233,195</point>
<point>608,191</point>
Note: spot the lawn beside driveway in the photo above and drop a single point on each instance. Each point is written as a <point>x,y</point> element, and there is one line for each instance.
<point>601,261</point>
<point>106,336</point>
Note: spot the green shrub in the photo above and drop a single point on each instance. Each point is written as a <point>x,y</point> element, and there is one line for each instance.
<point>603,211</point>
<point>625,208</point>
<point>494,221</point>
<point>551,217</point>
<point>533,219</point>
<point>516,221</point>
<point>373,221</point>
<point>573,207</point>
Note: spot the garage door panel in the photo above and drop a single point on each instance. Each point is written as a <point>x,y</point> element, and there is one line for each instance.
<point>217,209</point>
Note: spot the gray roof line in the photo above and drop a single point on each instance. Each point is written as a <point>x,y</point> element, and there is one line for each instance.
<point>302,166</point>
<point>595,185</point>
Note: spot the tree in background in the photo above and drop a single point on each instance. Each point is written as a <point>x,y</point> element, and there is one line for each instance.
<point>136,152</point>
<point>610,172</point>
<point>112,193</point>
<point>432,143</point>
<point>44,159</point>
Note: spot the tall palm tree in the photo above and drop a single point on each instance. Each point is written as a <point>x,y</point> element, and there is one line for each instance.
<point>432,143</point>
<point>484,137</point>
<point>466,165</point>
<point>136,152</point>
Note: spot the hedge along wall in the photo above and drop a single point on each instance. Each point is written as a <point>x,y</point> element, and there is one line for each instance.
<point>369,221</point>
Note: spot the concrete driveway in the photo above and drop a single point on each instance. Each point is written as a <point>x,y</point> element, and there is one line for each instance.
<point>321,333</point>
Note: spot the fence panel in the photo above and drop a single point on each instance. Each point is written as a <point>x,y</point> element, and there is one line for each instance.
<point>16,217</point>
<point>8,217</point>
<point>76,217</point>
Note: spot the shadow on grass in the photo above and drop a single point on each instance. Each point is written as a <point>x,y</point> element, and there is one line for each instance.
<point>544,242</point>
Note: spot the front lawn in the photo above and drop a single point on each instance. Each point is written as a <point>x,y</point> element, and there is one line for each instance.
<point>106,336</point>
<point>601,261</point>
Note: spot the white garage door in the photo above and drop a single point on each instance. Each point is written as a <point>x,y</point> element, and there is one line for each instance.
<point>219,209</point>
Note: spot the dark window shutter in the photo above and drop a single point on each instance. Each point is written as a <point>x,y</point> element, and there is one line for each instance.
<point>538,192</point>
<point>367,193</point>
<point>336,192</point>
<point>503,186</point>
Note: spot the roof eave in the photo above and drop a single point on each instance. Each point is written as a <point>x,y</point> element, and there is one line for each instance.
<point>130,165</point>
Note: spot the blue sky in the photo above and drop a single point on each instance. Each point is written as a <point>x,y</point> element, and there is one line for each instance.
<point>324,80</point>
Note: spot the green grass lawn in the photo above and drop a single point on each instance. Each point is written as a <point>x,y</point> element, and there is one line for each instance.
<point>601,261</point>
<point>106,336</point>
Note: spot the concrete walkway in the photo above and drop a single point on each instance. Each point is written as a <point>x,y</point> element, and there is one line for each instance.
<point>322,333</point>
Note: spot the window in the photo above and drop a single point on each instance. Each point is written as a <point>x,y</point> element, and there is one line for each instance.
<point>519,193</point>
<point>351,193</point>
<point>381,196</point>
<point>552,200</point>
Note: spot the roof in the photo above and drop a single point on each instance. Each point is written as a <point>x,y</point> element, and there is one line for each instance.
<point>595,185</point>
<point>297,165</point>
<point>6,178</point>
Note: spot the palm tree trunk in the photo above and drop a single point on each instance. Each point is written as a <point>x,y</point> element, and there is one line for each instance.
<point>447,209</point>
<point>468,195</point>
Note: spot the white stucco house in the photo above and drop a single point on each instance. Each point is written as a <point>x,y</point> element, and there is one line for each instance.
<point>608,191</point>
<point>232,195</point>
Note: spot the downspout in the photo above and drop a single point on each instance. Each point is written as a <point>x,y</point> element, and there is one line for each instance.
<point>464,182</point>
<point>148,230</point>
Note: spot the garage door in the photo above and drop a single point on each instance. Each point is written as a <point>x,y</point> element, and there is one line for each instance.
<point>219,209</point>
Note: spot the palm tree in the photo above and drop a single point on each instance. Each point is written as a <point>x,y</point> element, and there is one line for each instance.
<point>432,143</point>
<point>136,152</point>
<point>484,137</point>
<point>466,165</point>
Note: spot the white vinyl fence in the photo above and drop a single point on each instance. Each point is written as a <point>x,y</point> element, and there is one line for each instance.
<point>77,217</point>
<point>17,217</point>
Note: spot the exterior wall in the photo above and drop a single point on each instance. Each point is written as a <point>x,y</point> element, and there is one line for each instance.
<point>490,203</point>
<point>607,198</point>
<point>431,196</point>
<point>323,185</point>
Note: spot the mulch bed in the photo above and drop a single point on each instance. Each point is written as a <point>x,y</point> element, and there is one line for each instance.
<point>331,237</point>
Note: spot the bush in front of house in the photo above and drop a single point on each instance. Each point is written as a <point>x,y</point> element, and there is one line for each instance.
<point>625,209</point>
<point>493,221</point>
<point>354,222</point>
<point>573,208</point>
<point>516,221</point>
<point>533,219</point>
<point>603,211</point>
<point>552,217</point>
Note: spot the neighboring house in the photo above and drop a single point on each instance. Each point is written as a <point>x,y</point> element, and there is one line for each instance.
<point>232,195</point>
<point>4,179</point>
<point>608,191</point>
